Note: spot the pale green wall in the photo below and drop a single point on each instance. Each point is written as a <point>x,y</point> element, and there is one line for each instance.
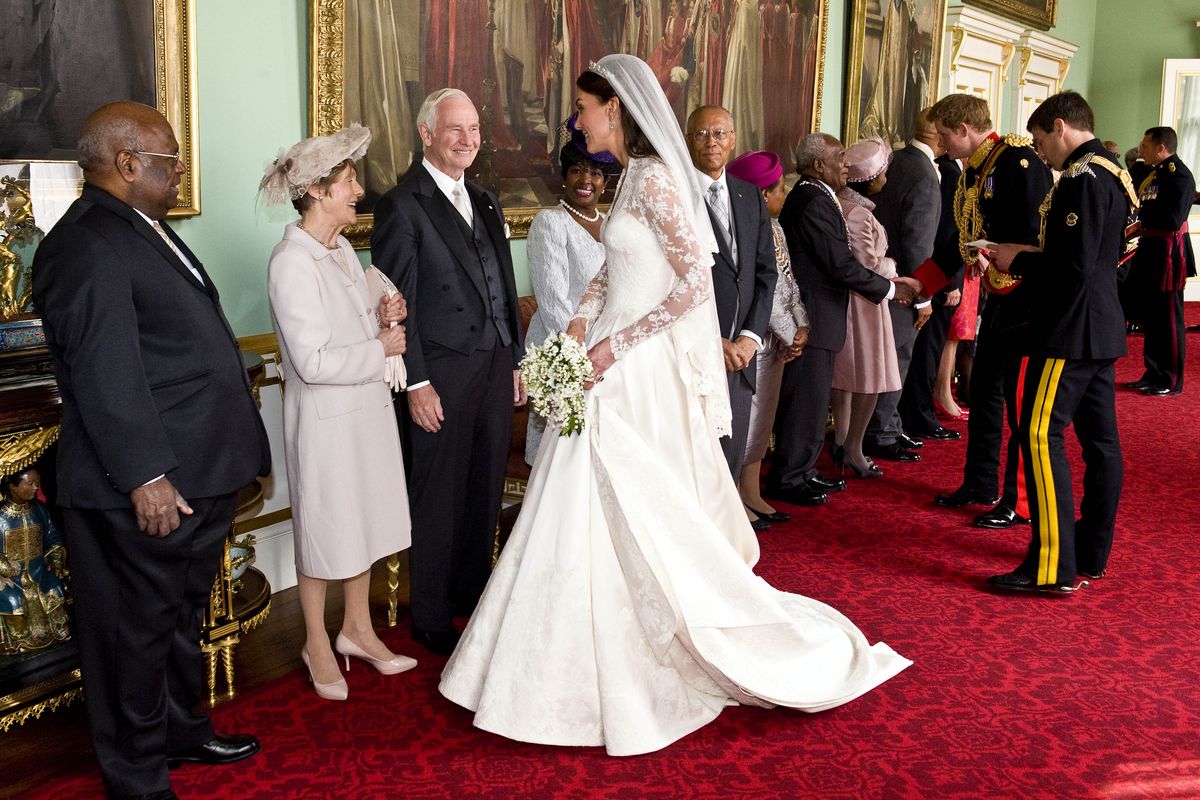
<point>253,99</point>
<point>252,64</point>
<point>1129,51</point>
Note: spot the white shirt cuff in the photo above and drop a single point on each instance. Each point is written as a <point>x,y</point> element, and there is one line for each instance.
<point>752,335</point>
<point>417,386</point>
<point>152,480</point>
<point>922,303</point>
<point>891,291</point>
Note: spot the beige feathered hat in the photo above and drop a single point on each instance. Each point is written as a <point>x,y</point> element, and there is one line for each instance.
<point>308,161</point>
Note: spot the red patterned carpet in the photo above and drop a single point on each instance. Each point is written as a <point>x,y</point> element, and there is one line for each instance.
<point>1092,696</point>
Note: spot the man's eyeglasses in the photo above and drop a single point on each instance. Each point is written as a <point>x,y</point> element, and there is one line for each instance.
<point>171,156</point>
<point>718,134</point>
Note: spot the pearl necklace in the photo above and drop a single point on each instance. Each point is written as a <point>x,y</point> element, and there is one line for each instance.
<point>594,218</point>
<point>300,225</point>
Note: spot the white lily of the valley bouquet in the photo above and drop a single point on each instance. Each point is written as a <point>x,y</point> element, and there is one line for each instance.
<point>554,373</point>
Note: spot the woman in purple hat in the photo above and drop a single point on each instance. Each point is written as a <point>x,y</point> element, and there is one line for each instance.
<point>564,249</point>
<point>787,331</point>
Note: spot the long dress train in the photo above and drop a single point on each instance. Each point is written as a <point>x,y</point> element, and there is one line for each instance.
<point>623,611</point>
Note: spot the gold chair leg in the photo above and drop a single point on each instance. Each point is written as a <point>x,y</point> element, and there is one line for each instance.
<point>393,588</point>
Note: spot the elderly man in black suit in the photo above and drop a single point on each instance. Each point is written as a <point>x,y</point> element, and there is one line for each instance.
<point>908,207</point>
<point>744,272</point>
<point>159,431</point>
<point>827,272</point>
<point>441,240</point>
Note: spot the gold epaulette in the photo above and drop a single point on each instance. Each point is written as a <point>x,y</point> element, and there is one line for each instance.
<point>1122,176</point>
<point>1017,140</point>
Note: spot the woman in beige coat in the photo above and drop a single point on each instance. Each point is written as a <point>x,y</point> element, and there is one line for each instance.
<point>339,342</point>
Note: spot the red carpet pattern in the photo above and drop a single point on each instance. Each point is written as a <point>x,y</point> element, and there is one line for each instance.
<point>1091,696</point>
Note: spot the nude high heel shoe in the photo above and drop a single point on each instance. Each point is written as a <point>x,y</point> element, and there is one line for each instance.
<point>338,690</point>
<point>346,648</point>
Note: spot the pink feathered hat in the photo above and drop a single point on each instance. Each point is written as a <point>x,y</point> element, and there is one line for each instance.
<point>867,159</point>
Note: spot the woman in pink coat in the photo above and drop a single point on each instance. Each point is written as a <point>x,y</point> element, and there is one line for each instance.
<point>866,365</point>
<point>339,342</point>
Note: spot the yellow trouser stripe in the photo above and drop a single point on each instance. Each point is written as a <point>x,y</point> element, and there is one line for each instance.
<point>1043,474</point>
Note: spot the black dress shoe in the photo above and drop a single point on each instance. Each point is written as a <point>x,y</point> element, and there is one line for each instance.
<point>218,750</point>
<point>774,516</point>
<point>941,434</point>
<point>1094,574</point>
<point>802,495</point>
<point>1160,391</point>
<point>440,642</point>
<point>1138,385</point>
<point>998,518</point>
<point>826,485</point>
<point>908,443</point>
<point>1016,582</point>
<point>962,496</point>
<point>761,524</point>
<point>891,452</point>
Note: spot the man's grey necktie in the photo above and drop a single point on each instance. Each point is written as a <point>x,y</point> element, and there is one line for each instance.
<point>720,209</point>
<point>463,204</point>
<point>158,228</point>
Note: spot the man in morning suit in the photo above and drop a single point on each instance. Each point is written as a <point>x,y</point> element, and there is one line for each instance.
<point>916,398</point>
<point>1075,336</point>
<point>1163,262</point>
<point>743,271</point>
<point>159,431</point>
<point>826,272</point>
<point>440,238</point>
<point>908,208</point>
<point>997,199</point>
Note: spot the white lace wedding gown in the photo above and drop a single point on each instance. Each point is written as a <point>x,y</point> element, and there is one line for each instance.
<point>623,611</point>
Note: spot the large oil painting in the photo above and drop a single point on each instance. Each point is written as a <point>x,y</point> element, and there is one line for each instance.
<point>1038,13</point>
<point>895,60</point>
<point>373,62</point>
<point>61,59</point>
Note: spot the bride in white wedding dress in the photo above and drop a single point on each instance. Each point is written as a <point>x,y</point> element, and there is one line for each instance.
<point>623,611</point>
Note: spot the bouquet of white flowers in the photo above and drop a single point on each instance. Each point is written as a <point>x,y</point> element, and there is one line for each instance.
<point>554,373</point>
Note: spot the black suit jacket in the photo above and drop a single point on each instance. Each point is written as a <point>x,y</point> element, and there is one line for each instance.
<point>945,240</point>
<point>1072,282</point>
<point>418,243</point>
<point>151,377</point>
<point>823,265</point>
<point>744,290</point>
<point>908,207</point>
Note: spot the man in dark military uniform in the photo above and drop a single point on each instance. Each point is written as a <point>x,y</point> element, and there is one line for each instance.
<point>1164,261</point>
<point>997,199</point>
<point>1075,336</point>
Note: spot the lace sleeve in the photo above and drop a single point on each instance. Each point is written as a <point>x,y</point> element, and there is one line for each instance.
<point>592,301</point>
<point>658,203</point>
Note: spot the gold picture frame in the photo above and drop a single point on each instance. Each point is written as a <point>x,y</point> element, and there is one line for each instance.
<point>680,62</point>
<point>1040,14</point>
<point>903,46</point>
<point>172,24</point>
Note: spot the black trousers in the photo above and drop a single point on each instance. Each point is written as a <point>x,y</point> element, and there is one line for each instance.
<point>455,480</point>
<point>802,416</point>
<point>1061,392</point>
<point>886,421</point>
<point>138,605</point>
<point>995,378</point>
<point>741,397</point>
<point>1165,341</point>
<point>916,398</point>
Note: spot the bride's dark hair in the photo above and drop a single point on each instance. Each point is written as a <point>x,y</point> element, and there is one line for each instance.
<point>636,143</point>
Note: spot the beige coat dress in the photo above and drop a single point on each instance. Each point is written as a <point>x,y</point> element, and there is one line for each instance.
<point>344,465</point>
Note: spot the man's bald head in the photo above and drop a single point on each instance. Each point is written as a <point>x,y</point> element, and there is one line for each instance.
<point>128,149</point>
